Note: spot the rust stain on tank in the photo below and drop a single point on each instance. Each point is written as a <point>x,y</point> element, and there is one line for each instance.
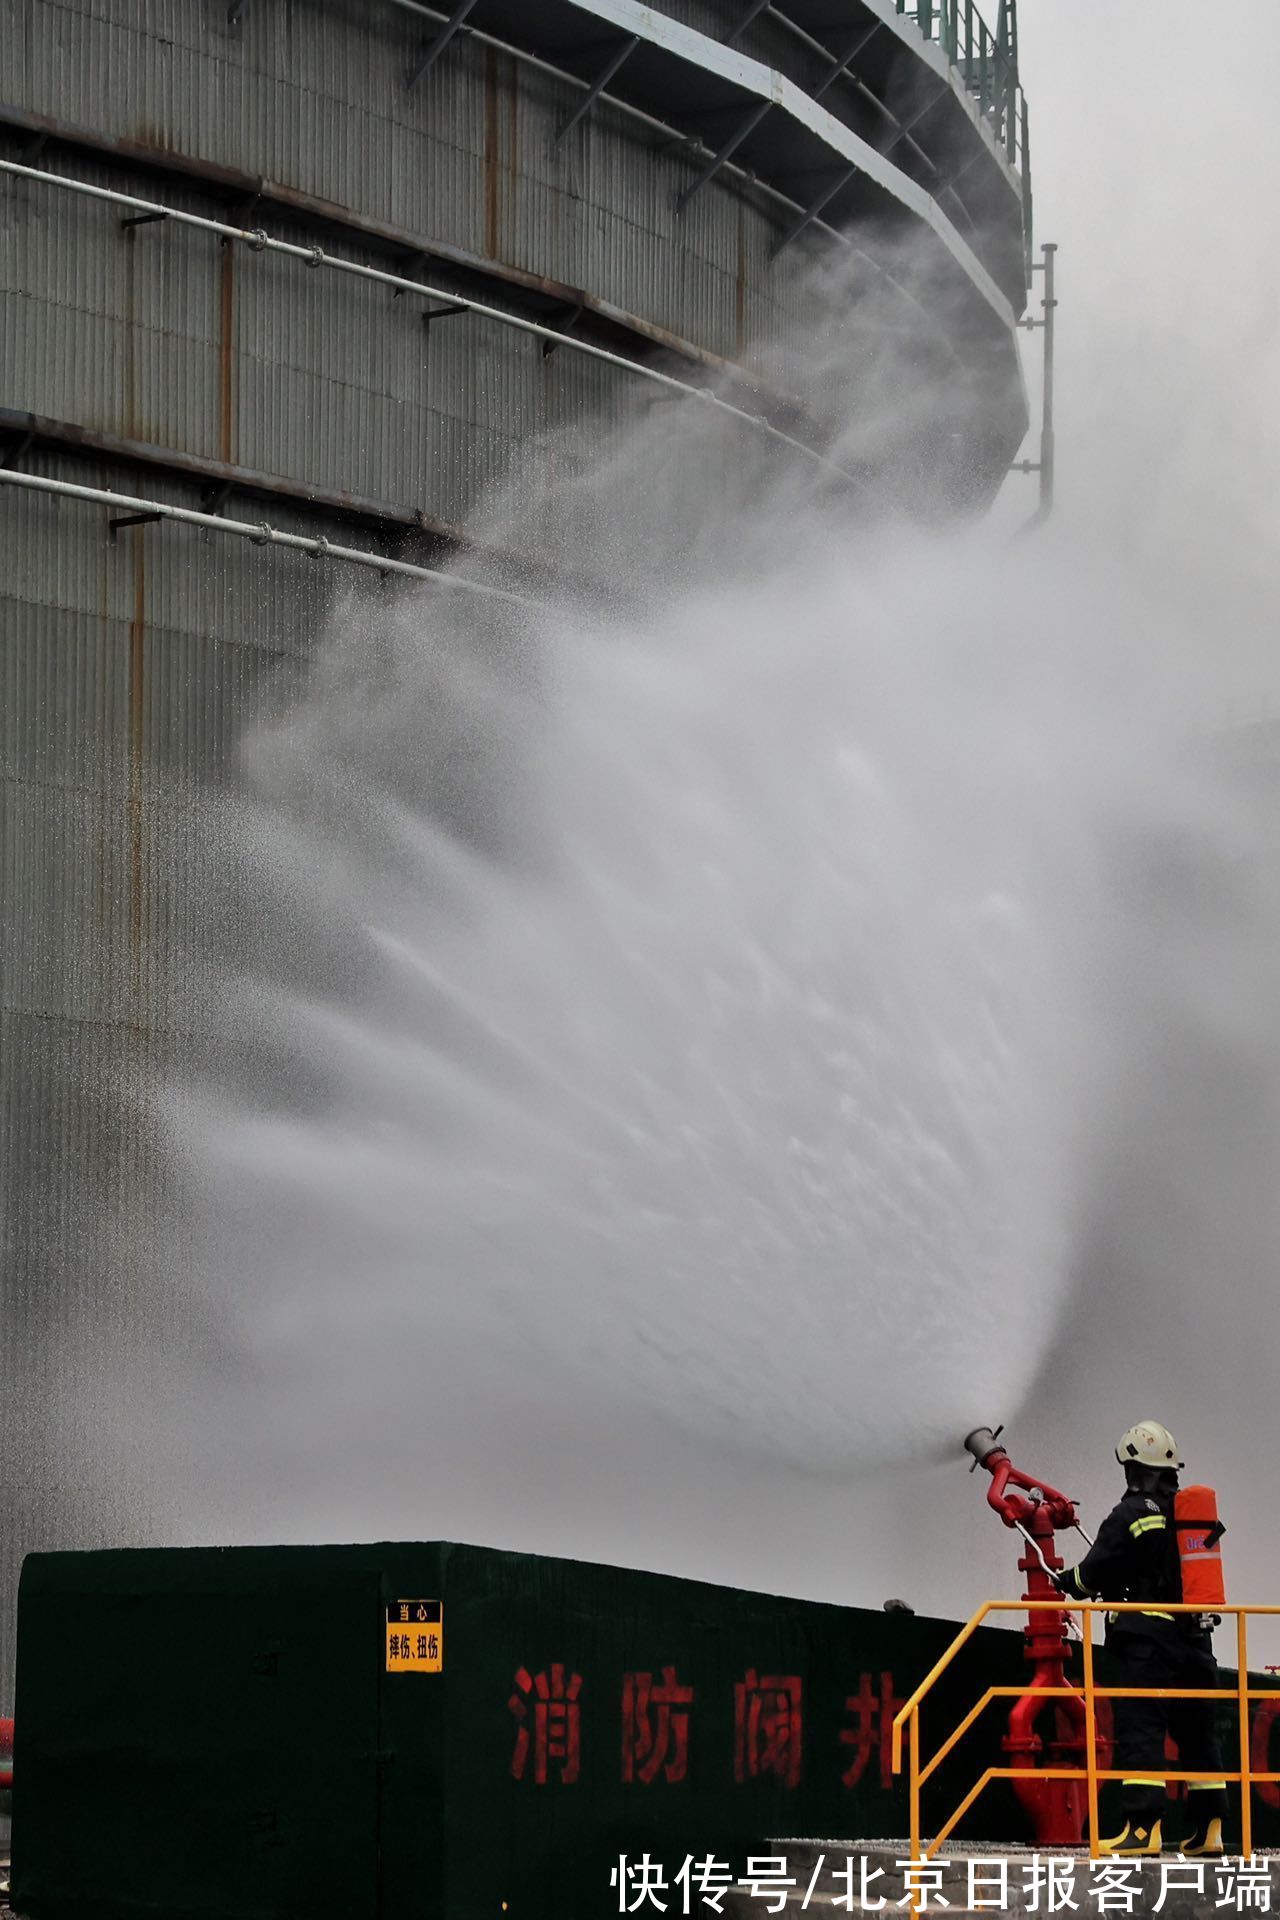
<point>130,338</point>
<point>102,773</point>
<point>492,152</point>
<point>226,339</point>
<point>137,744</point>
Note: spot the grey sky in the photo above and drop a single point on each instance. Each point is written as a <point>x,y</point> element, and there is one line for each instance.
<point>1156,152</point>
<point>1156,149</point>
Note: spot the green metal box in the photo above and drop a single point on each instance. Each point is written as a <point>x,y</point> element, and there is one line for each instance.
<point>407,1732</point>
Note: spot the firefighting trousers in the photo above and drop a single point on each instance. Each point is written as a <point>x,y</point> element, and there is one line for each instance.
<point>1141,1726</point>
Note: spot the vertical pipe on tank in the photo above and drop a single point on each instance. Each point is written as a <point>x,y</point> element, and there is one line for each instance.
<point>1049,249</point>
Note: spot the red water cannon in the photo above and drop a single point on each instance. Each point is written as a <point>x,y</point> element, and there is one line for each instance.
<point>1034,1509</point>
<point>1035,1506</point>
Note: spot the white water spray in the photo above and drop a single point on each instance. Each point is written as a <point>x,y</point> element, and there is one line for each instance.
<point>676,1070</point>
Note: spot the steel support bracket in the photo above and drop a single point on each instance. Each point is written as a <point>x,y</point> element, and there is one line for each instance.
<point>1045,465</point>
<point>440,313</point>
<point>215,498</point>
<point>841,63</point>
<point>753,12</point>
<point>574,315</point>
<point>20,448</point>
<point>434,48</point>
<point>812,211</point>
<point>597,87</point>
<point>410,261</point>
<point>727,151</point>
<point>908,125</point>
<point>133,520</point>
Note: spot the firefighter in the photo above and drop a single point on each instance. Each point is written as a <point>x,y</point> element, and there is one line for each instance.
<point>1136,1558</point>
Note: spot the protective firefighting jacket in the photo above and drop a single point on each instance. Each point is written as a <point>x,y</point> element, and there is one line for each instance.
<point>1135,1557</point>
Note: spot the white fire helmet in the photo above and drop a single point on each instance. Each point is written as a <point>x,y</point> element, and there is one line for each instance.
<point>1150,1445</point>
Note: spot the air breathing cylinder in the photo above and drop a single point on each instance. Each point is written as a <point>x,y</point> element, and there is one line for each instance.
<point>1199,1532</point>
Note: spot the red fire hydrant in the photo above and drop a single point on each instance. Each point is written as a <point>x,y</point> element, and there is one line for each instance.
<point>6,1754</point>
<point>1058,1808</point>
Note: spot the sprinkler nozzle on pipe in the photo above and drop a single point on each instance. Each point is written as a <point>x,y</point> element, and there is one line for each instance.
<point>982,1443</point>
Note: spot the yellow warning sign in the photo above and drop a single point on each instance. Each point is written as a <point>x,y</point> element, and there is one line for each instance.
<point>415,1636</point>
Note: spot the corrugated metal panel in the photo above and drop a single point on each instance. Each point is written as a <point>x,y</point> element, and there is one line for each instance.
<point>130,664</point>
<point>133,662</point>
<point>468,157</point>
<point>317,97</point>
<point>166,335</point>
<point>110,328</point>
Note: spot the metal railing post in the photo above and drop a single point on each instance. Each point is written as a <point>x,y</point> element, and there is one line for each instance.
<point>1246,1783</point>
<point>1027,225</point>
<point>1090,1734</point>
<point>1047,446</point>
<point>915,1841</point>
<point>914,1738</point>
<point>1003,101</point>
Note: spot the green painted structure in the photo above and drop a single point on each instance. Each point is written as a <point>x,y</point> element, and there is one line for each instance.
<point>254,1732</point>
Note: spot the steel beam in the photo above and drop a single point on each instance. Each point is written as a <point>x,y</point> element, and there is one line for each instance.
<point>842,62</point>
<point>434,48</point>
<point>597,87</point>
<point>133,520</point>
<point>753,12</point>
<point>916,118</point>
<point>845,68</point>
<point>811,212</point>
<point>1044,466</point>
<point>1049,304</point>
<point>549,346</point>
<point>727,151</point>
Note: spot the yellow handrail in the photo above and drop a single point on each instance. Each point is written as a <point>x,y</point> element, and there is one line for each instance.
<point>908,1717</point>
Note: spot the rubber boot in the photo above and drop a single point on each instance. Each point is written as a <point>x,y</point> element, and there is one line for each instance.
<point>1207,1839</point>
<point>1138,1838</point>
